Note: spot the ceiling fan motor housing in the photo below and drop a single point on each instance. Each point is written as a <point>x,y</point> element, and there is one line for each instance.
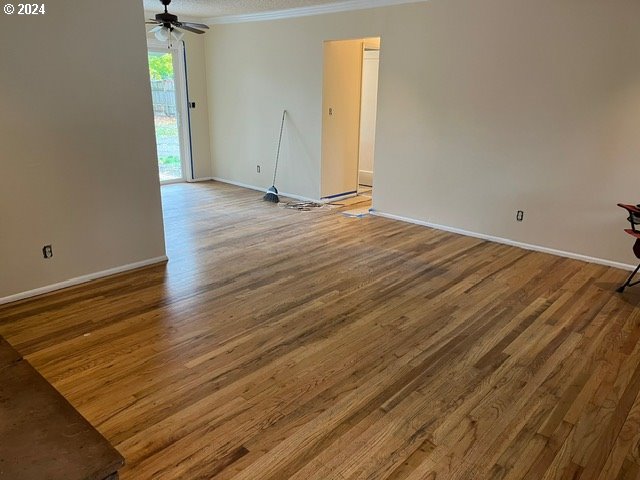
<point>171,23</point>
<point>166,17</point>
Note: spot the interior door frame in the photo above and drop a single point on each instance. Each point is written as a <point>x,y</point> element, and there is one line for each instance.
<point>177,51</point>
<point>368,51</point>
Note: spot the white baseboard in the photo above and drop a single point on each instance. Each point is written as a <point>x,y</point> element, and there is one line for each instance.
<point>261,189</point>
<point>506,241</point>
<point>201,179</point>
<point>338,198</point>
<point>83,279</point>
<point>365,177</point>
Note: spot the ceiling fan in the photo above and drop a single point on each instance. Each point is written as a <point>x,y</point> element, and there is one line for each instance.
<point>167,26</point>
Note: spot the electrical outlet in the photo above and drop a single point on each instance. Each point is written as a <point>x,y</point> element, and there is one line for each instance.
<point>258,168</point>
<point>47,251</point>
<point>520,216</point>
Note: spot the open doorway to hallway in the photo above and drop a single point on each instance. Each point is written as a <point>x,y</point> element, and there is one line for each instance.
<point>350,96</point>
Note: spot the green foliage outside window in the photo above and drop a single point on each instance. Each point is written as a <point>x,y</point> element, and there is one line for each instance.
<point>161,66</point>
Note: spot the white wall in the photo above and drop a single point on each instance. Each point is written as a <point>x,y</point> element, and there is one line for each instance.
<point>484,108</point>
<point>250,83</point>
<point>77,166</point>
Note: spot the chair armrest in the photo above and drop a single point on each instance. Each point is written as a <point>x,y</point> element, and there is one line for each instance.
<point>630,208</point>
<point>632,233</point>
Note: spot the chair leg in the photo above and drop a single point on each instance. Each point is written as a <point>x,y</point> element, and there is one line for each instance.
<point>629,282</point>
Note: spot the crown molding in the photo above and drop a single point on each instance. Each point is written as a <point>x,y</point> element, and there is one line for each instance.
<point>345,6</point>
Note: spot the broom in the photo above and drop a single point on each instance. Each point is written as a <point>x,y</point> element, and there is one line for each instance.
<point>272,191</point>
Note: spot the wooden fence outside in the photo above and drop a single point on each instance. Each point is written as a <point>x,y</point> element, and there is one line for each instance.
<point>163,93</point>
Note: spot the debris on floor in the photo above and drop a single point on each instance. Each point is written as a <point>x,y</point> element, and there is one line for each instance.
<point>303,206</point>
<point>357,212</point>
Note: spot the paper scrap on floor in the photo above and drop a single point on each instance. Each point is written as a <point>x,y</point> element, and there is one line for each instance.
<point>357,212</point>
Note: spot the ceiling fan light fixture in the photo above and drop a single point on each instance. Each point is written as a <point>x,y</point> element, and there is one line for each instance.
<point>168,22</point>
<point>162,34</point>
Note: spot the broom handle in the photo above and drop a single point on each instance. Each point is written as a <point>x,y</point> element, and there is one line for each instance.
<point>275,170</point>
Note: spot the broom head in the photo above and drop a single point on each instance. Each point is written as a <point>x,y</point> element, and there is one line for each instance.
<point>271,195</point>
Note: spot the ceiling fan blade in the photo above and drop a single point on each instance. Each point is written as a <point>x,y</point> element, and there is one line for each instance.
<point>152,22</point>
<point>187,28</point>
<point>196,25</point>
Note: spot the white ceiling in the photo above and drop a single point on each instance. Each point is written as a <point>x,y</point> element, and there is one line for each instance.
<point>218,8</point>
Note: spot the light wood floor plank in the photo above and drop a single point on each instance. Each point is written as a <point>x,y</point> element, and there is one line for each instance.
<point>279,344</point>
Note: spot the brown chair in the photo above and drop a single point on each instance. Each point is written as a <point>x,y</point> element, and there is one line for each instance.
<point>634,220</point>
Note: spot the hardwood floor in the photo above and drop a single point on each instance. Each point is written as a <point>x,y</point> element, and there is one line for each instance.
<point>279,344</point>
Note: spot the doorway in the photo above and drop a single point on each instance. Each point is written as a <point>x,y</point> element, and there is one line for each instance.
<point>350,96</point>
<point>166,73</point>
